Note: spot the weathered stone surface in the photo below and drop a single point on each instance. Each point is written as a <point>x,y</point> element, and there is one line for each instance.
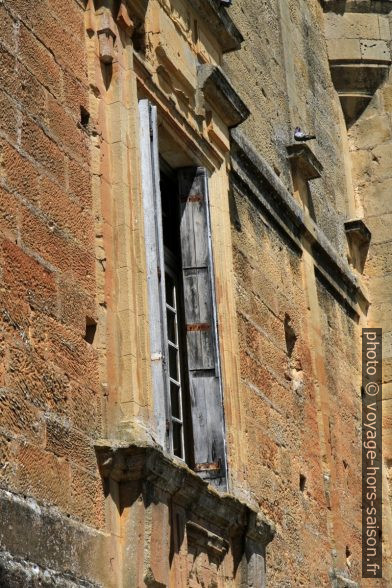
<point>75,359</point>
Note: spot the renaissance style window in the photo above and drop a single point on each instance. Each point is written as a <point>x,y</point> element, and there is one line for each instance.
<point>183,327</point>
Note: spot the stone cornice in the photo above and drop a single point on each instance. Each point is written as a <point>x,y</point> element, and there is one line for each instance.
<point>257,177</point>
<point>147,463</point>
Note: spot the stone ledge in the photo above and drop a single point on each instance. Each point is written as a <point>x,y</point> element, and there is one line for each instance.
<point>222,97</point>
<point>138,462</point>
<point>57,546</point>
<point>19,572</point>
<point>254,172</point>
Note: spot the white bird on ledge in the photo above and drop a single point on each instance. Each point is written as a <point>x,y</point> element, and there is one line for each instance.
<point>301,136</point>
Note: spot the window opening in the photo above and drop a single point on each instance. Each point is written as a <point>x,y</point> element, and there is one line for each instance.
<point>178,386</point>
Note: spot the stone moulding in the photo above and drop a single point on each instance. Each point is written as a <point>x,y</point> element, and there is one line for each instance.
<point>215,16</point>
<point>133,462</point>
<point>217,90</point>
<point>256,176</point>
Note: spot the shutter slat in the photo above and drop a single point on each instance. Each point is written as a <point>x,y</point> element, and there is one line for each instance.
<point>201,329</point>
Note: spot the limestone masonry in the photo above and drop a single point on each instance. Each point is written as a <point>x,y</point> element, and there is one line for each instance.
<point>183,288</point>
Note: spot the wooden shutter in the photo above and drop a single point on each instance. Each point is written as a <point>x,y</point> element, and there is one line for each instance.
<point>201,327</point>
<point>155,266</point>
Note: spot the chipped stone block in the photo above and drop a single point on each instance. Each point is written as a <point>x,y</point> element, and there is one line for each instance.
<point>106,37</point>
<point>375,50</point>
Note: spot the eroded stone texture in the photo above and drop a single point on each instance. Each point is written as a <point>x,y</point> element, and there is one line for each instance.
<point>88,497</point>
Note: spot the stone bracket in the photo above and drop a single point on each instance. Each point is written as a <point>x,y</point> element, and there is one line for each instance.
<point>214,544</point>
<point>216,93</point>
<point>302,157</point>
<point>100,19</point>
<point>358,239</point>
<point>356,230</point>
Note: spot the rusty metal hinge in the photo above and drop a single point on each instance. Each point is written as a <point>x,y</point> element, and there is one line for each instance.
<point>197,327</point>
<point>208,467</point>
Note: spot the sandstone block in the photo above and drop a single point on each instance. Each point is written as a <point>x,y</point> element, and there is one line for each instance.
<point>55,247</point>
<point>39,380</point>
<point>352,25</point>
<point>40,62</point>
<point>385,30</point>
<point>387,340</point>
<point>377,198</point>
<point>71,16</point>
<point>381,164</point>
<point>84,407</point>
<point>65,349</point>
<point>87,498</point>
<point>9,116</point>
<point>63,440</point>
<point>387,369</point>
<point>387,95</point>
<point>375,50</point>
<point>43,149</point>
<point>67,214</point>
<point>344,49</point>
<point>79,183</point>
<point>64,128</point>
<point>74,305</point>
<point>44,476</point>
<point>361,166</point>
<point>18,82</point>
<point>387,391</point>
<point>75,94</point>
<point>9,209</point>
<point>7,28</point>
<point>21,417</point>
<point>19,172</point>
<point>368,132</point>
<point>28,280</point>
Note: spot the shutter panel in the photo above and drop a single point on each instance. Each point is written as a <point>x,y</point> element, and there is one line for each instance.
<point>201,327</point>
<point>155,265</point>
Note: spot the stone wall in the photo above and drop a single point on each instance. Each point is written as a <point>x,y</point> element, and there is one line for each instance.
<point>88,495</point>
<point>50,397</point>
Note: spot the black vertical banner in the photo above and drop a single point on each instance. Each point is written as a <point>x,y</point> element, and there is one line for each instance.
<point>372,453</point>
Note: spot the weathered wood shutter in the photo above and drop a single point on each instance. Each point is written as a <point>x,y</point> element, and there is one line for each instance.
<point>201,327</point>
<point>155,266</point>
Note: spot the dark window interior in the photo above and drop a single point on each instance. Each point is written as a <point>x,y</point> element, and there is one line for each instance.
<point>181,433</point>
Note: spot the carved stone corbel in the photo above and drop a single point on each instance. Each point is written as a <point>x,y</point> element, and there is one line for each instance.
<point>101,20</point>
<point>106,35</point>
<point>124,20</point>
